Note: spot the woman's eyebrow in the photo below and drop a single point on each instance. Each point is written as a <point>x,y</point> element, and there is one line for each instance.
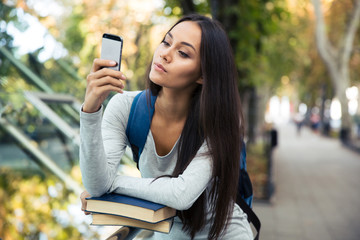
<point>184,43</point>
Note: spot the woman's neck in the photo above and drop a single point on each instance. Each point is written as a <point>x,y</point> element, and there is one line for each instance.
<point>172,106</point>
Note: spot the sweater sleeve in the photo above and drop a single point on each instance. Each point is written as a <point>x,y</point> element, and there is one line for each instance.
<point>176,192</point>
<point>103,143</point>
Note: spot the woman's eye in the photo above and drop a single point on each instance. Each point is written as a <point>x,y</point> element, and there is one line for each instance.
<point>165,43</point>
<point>183,54</point>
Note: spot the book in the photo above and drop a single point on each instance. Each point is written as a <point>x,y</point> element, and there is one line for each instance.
<point>115,220</point>
<point>131,207</point>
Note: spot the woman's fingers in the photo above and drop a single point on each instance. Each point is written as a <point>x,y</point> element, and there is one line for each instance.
<point>102,91</point>
<point>106,72</point>
<point>101,63</point>
<point>106,81</point>
<point>99,85</point>
<point>83,197</point>
<point>106,77</point>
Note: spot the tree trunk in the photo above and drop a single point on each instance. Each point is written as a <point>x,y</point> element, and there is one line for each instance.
<point>252,115</point>
<point>346,122</point>
<point>337,59</point>
<point>187,6</point>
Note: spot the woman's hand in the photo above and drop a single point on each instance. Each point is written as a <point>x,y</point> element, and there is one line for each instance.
<point>100,82</point>
<point>83,197</point>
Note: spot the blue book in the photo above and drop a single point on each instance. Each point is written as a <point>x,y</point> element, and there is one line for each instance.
<point>130,207</point>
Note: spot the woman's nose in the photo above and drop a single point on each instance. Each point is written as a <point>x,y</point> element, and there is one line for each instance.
<point>166,55</point>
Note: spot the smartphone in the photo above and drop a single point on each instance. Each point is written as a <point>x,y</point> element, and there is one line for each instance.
<point>111,49</point>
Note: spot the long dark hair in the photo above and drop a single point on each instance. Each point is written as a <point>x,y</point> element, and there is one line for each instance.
<point>215,117</point>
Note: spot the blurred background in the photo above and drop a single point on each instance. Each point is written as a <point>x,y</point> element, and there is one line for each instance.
<point>298,64</point>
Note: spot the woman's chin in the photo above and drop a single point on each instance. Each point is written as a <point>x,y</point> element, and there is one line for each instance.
<point>154,78</point>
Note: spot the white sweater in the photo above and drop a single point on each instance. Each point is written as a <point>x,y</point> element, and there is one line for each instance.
<point>103,143</point>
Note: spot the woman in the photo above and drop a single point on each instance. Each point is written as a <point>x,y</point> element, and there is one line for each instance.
<point>195,134</point>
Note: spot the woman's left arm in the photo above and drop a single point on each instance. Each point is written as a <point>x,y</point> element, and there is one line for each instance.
<point>103,143</point>
<point>176,192</point>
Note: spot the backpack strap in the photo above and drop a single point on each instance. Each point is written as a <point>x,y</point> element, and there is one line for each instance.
<point>139,122</point>
<point>245,186</point>
<point>245,193</point>
<point>251,215</point>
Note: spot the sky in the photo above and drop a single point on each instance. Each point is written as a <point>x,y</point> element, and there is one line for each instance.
<point>34,37</point>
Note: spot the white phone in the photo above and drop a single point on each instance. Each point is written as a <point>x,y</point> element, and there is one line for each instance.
<point>111,49</point>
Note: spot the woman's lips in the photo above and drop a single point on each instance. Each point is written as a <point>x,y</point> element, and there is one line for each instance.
<point>159,67</point>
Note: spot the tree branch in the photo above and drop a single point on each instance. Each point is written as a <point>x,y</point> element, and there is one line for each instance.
<point>324,46</point>
<point>351,31</point>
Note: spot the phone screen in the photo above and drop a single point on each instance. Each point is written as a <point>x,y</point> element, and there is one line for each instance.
<point>111,48</point>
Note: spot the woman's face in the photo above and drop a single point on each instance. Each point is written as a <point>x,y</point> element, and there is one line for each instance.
<point>176,61</point>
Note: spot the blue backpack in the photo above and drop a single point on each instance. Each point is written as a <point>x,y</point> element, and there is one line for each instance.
<point>137,130</point>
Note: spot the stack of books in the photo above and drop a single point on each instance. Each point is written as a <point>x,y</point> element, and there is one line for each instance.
<point>121,210</point>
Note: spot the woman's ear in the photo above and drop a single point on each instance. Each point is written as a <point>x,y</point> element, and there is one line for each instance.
<point>200,80</point>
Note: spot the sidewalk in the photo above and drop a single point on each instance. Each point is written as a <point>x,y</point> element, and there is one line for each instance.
<point>317,189</point>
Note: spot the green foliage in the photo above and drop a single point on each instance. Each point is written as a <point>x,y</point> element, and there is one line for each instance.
<point>257,23</point>
<point>33,206</point>
<point>178,8</point>
<point>74,35</point>
<point>7,15</point>
<point>13,103</point>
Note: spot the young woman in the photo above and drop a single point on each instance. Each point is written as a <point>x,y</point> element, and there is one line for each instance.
<point>190,161</point>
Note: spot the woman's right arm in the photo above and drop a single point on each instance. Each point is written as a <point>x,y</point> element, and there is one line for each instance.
<point>96,168</point>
